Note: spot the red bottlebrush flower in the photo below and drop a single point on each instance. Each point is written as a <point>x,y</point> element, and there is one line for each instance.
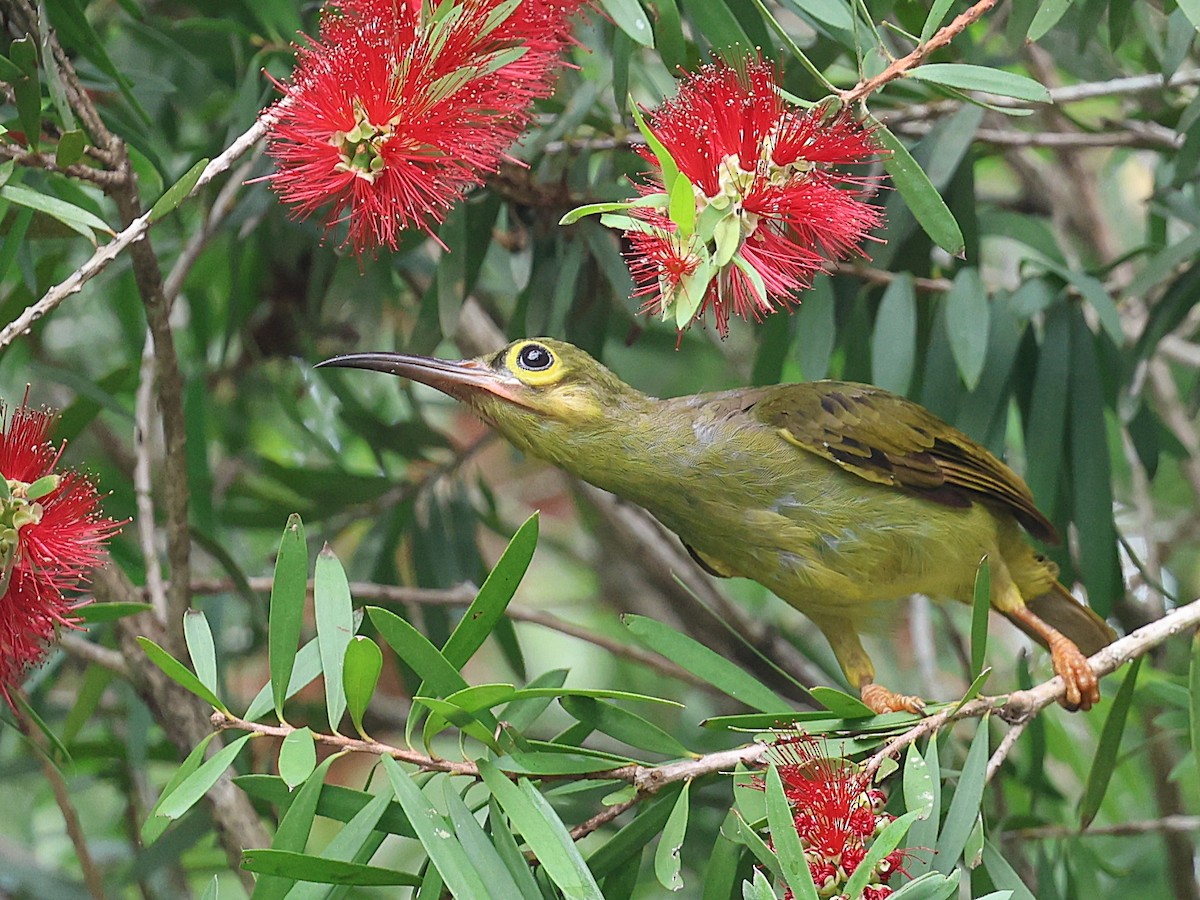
<point>835,811</point>
<point>51,536</point>
<point>770,206</point>
<point>401,106</point>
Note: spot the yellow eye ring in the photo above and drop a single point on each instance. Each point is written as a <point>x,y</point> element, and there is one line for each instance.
<point>533,363</point>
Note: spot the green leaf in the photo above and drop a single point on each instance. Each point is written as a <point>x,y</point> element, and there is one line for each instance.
<point>965,804</point>
<point>435,834</point>
<point>967,319</point>
<point>1092,489</point>
<point>1194,701</point>
<point>357,837</point>
<point>841,704</point>
<point>667,862</point>
<point>179,673</point>
<point>625,726</point>
<point>1109,747</point>
<point>335,629</point>
<point>74,217</point>
<point>178,192</point>
<point>918,785</point>
<point>493,598</point>
<point>417,652</point>
<point>666,163</point>
<point>95,613</point>
<point>981,606</point>
<point>885,842</point>
<point>930,886</point>
<point>833,13</point>
<point>294,828</point>
<point>297,757</point>
<point>704,663</point>
<point>682,206</point>
<point>758,889</point>
<point>196,785</point>
<point>629,16</point>
<point>786,839</point>
<point>288,592</point>
<point>510,853</point>
<point>301,867</point>
<point>1047,16</point>
<point>478,846</point>
<point>1002,873</point>
<point>924,832</point>
<point>690,294</point>
<point>751,838</point>
<point>70,148</point>
<point>981,78</point>
<point>305,671</point>
<point>625,847</point>
<point>360,675</point>
<point>544,832</point>
<point>918,192</point>
<point>894,336</point>
<point>156,824</point>
<point>933,21</point>
<point>198,637</point>
<point>335,802</point>
<point>973,851</point>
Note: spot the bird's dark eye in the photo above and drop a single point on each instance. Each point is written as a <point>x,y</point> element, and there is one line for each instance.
<point>535,358</point>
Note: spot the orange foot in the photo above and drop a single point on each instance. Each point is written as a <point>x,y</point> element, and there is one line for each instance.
<point>1083,690</point>
<point>883,700</point>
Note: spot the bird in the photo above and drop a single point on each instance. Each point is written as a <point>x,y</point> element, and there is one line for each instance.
<point>836,496</point>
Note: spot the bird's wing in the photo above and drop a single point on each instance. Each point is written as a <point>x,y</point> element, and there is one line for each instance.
<point>887,439</point>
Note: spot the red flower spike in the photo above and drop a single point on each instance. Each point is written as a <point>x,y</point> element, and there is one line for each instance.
<point>51,536</point>
<point>400,107</point>
<point>770,166</point>
<point>836,813</point>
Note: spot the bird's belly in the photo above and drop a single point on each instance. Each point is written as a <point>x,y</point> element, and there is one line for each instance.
<point>839,554</point>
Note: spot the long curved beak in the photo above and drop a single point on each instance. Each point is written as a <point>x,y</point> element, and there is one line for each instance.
<point>458,378</point>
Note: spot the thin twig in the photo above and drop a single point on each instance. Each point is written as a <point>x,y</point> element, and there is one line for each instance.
<point>143,487</point>
<point>920,53</point>
<point>1121,829</point>
<point>62,796</point>
<point>90,652</point>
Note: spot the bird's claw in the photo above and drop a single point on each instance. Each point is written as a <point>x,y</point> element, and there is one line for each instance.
<point>882,700</point>
<point>1082,686</point>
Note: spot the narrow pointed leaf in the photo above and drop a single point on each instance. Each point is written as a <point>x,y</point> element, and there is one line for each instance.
<point>625,726</point>
<point>894,336</point>
<point>667,861</point>
<point>885,842</point>
<point>665,161</point>
<point>304,672</point>
<point>840,703</point>
<point>335,628</point>
<point>156,824</point>
<point>438,675</point>
<point>922,198</point>
<point>178,192</point>
<point>924,832</point>
<point>494,596</point>
<point>357,838</point>
<point>965,804</point>
<point>478,846</point>
<point>629,16</point>
<point>510,853</point>
<point>292,833</point>
<point>201,649</point>
<point>300,867</point>
<point>918,786</point>
<point>626,846</point>
<point>966,77</point>
<point>968,318</point>
<point>289,589</point>
<point>196,785</point>
<point>758,889</point>
<point>981,606</point>
<point>544,832</point>
<point>435,834</point>
<point>360,675</point>
<point>786,839</point>
<point>179,673</point>
<point>1109,747</point>
<point>297,757</point>
<point>704,663</point>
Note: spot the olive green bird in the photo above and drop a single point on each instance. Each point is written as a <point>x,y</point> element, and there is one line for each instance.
<point>836,496</point>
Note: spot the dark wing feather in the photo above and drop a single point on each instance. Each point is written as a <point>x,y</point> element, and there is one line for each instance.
<point>887,439</point>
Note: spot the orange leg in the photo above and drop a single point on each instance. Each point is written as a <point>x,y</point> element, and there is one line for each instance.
<point>1083,690</point>
<point>883,700</point>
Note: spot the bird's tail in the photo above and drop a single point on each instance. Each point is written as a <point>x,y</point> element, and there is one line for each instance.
<point>1059,609</point>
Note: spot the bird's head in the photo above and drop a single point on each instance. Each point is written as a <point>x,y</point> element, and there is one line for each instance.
<point>535,389</point>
